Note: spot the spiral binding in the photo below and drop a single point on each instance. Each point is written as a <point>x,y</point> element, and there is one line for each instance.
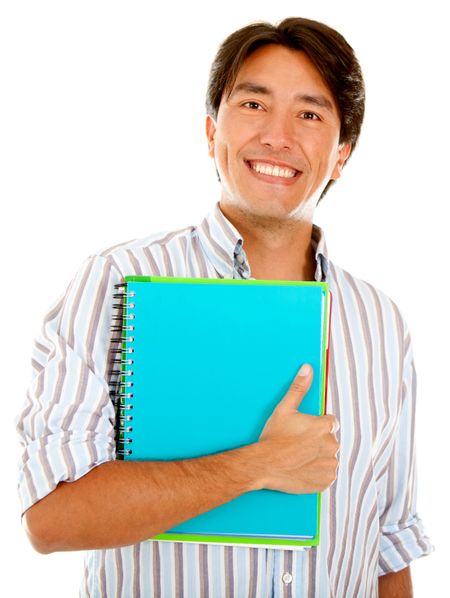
<point>121,366</point>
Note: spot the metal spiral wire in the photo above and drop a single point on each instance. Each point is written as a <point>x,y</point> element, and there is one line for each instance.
<point>121,367</point>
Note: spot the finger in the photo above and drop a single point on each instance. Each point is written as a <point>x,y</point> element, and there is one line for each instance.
<point>299,388</point>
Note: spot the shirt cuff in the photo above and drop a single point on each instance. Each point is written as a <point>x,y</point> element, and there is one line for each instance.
<point>402,543</point>
<point>61,457</point>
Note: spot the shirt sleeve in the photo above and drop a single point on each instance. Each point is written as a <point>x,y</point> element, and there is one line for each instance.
<point>66,424</point>
<point>402,537</point>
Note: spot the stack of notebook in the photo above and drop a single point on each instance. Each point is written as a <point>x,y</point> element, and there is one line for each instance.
<point>203,364</point>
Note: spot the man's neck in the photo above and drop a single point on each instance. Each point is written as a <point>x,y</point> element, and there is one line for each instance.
<point>275,250</point>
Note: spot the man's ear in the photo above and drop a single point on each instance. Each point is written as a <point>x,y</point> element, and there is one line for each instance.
<point>210,134</point>
<point>343,154</point>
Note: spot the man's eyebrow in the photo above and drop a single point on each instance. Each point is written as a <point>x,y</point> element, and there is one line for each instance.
<point>316,100</point>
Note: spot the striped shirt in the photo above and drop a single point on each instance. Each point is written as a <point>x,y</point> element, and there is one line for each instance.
<point>370,525</point>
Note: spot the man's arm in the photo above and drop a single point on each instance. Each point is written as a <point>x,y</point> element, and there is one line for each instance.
<point>124,502</point>
<point>120,503</point>
<point>396,585</point>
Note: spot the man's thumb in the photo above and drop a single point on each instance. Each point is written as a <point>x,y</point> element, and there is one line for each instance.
<point>299,387</point>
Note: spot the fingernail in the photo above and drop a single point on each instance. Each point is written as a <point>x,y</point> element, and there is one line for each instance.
<point>304,370</point>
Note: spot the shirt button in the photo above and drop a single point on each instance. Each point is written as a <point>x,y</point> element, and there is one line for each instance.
<point>287,578</point>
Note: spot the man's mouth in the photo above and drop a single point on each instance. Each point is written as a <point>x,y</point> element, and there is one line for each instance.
<point>273,170</point>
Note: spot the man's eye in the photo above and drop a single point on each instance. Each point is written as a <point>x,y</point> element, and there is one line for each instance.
<point>310,116</point>
<point>252,105</point>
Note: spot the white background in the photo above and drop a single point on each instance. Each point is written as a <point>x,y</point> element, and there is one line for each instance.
<point>102,140</point>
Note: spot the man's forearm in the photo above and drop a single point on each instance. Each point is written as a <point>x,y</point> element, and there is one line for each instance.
<point>396,585</point>
<point>124,502</point>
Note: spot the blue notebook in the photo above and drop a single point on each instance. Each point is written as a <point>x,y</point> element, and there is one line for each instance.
<point>203,364</point>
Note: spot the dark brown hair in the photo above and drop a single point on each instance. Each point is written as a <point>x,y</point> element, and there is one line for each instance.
<point>327,49</point>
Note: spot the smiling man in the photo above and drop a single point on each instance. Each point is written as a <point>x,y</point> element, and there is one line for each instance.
<point>285,106</point>
<point>276,143</point>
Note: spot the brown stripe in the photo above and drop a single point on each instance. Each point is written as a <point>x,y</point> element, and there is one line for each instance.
<point>184,252</point>
<point>136,570</point>
<point>203,570</point>
<point>43,459</point>
<point>401,550</point>
<point>42,348</point>
<point>30,483</point>
<point>167,261</point>
<point>179,585</point>
<point>253,572</point>
<point>384,565</point>
<point>134,262</point>
<point>383,356</point>
<point>287,568</point>
<point>114,264</point>
<point>102,575</point>
<point>420,541</point>
<point>156,568</point>
<point>363,317</point>
<point>91,448</point>
<point>86,578</point>
<point>229,572</point>
<point>37,366</point>
<point>76,304</point>
<point>200,257</point>
<point>361,577</point>
<point>371,578</point>
<point>119,571</point>
<point>371,581</point>
<point>312,571</point>
<point>153,266</point>
<point>104,291</point>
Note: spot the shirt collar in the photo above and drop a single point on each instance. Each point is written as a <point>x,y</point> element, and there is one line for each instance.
<point>222,244</point>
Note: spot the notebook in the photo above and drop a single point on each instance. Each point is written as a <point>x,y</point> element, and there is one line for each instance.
<point>203,363</point>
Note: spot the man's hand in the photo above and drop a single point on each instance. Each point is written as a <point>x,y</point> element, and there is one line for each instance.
<point>301,450</point>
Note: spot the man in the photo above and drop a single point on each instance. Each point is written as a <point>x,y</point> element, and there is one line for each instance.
<point>285,106</point>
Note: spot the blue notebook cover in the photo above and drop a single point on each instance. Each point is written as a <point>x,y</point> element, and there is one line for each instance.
<point>205,362</point>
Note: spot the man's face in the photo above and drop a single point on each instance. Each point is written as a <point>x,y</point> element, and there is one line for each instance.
<point>276,139</point>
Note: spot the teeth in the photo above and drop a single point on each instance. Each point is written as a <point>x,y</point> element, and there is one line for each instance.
<point>286,173</point>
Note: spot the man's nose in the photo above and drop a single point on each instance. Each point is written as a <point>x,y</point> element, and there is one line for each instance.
<point>278,132</point>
